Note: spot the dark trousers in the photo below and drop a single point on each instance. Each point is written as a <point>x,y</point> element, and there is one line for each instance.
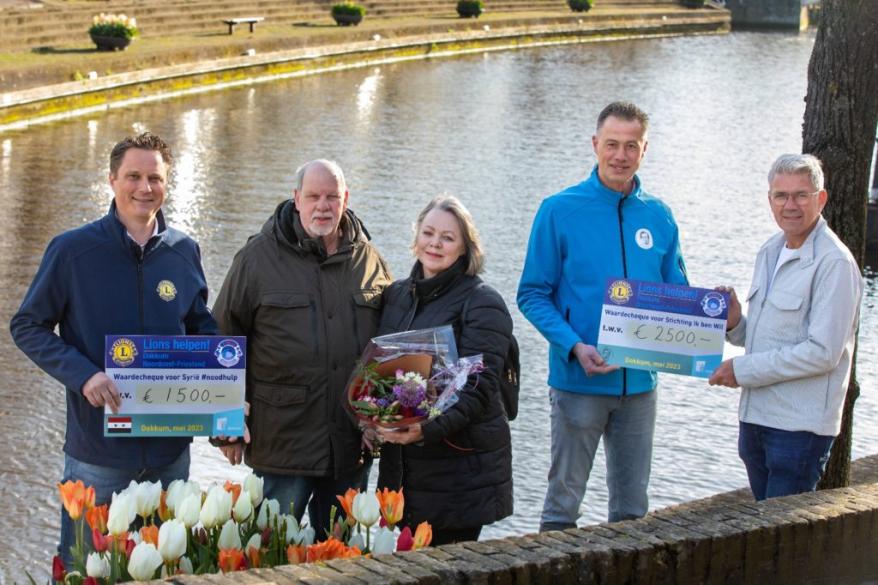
<point>782,463</point>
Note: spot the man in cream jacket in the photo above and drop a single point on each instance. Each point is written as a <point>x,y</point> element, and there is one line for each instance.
<point>799,337</point>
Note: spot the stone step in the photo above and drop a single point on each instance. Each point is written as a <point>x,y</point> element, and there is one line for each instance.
<point>58,27</point>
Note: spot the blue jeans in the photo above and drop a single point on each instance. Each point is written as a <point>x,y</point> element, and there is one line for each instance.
<point>106,481</point>
<point>782,463</point>
<point>318,494</point>
<point>627,424</point>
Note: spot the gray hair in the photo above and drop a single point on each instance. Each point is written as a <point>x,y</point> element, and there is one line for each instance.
<point>791,164</point>
<point>329,165</point>
<point>472,241</point>
<point>624,111</point>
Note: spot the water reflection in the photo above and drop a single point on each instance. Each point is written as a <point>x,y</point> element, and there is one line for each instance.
<point>500,130</point>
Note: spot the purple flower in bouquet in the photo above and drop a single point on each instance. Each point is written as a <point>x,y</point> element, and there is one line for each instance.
<point>410,389</point>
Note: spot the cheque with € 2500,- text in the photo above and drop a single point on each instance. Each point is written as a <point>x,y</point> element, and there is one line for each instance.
<point>663,327</point>
<point>176,385</point>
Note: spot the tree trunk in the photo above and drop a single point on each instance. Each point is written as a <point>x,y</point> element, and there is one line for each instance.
<point>841,115</point>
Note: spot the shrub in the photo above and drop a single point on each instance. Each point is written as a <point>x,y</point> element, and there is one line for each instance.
<point>113,25</point>
<point>348,9</point>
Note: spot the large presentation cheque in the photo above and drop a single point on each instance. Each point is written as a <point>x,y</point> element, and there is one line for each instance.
<point>176,386</point>
<point>663,327</point>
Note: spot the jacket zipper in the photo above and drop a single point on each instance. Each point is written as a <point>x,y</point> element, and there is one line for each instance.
<point>140,291</point>
<point>413,311</point>
<point>625,274</point>
<point>139,253</point>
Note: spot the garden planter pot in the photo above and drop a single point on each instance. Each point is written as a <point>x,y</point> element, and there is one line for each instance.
<point>110,43</point>
<point>347,19</point>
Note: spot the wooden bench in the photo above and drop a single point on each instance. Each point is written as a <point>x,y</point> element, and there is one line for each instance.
<point>251,20</point>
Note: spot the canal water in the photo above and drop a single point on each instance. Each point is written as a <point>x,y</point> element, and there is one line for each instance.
<point>499,130</point>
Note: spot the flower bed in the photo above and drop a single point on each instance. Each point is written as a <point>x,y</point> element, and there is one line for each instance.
<point>228,528</point>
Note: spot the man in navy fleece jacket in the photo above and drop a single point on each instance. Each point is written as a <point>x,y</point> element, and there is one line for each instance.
<point>126,273</point>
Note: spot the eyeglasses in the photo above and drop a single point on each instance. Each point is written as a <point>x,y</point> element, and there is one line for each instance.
<point>799,197</point>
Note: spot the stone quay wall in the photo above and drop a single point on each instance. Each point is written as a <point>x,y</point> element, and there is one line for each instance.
<point>826,537</point>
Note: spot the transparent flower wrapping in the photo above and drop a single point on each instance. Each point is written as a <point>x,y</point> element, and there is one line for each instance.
<point>408,377</point>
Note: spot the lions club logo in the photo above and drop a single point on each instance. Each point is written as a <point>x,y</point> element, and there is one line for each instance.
<point>713,304</point>
<point>228,353</point>
<point>167,291</point>
<point>123,352</point>
<point>620,291</point>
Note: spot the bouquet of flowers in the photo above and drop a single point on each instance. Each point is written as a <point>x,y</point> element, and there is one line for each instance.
<point>408,377</point>
<point>230,528</point>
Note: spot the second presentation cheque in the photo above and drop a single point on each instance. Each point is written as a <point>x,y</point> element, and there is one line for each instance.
<point>663,327</point>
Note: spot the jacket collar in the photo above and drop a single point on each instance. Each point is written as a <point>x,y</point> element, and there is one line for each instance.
<point>115,225</point>
<point>805,253</point>
<point>427,289</point>
<point>595,183</point>
<point>285,225</point>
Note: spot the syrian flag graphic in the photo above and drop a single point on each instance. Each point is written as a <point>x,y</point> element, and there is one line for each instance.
<point>119,424</point>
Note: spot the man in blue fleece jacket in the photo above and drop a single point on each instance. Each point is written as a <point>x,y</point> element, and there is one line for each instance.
<point>605,227</point>
<point>126,273</point>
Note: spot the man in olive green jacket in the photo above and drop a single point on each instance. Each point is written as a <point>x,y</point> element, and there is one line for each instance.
<point>306,291</point>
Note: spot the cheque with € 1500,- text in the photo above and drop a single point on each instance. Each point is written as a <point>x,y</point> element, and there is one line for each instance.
<point>663,327</point>
<point>176,385</point>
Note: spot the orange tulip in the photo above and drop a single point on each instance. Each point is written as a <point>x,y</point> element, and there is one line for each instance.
<point>164,512</point>
<point>97,518</point>
<point>296,554</point>
<point>347,504</point>
<point>234,489</point>
<point>89,499</point>
<point>231,559</point>
<point>254,555</point>
<point>73,497</point>
<point>423,535</point>
<point>392,504</point>
<point>329,549</point>
<point>150,534</point>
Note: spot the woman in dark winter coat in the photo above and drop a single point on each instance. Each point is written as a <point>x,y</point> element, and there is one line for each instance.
<point>456,469</point>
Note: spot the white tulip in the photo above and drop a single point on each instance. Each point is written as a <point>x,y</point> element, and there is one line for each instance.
<point>148,496</point>
<point>217,507</point>
<point>186,566</point>
<point>130,490</point>
<point>254,542</point>
<point>119,518</point>
<point>357,541</point>
<point>243,507</point>
<point>129,494</point>
<point>267,513</point>
<point>191,488</point>
<point>189,509</point>
<point>384,543</point>
<point>175,493</point>
<point>144,561</point>
<point>172,540</point>
<point>229,536</point>
<point>308,535</point>
<point>293,530</point>
<point>253,485</point>
<point>97,565</point>
<point>366,508</point>
<point>135,537</point>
